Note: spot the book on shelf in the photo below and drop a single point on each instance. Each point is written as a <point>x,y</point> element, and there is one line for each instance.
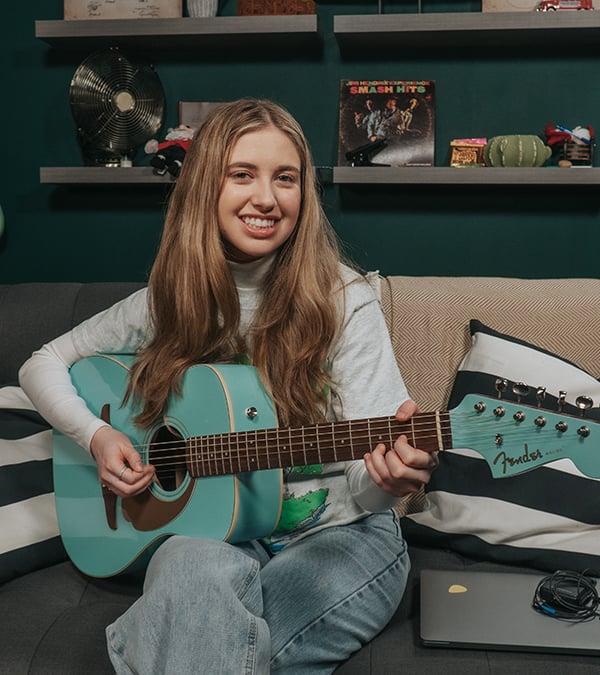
<point>122,9</point>
<point>386,123</point>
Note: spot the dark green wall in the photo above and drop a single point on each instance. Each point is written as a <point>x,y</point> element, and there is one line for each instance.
<point>92,233</point>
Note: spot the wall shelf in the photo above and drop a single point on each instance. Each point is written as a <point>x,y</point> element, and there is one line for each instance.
<point>223,32</point>
<point>460,29</point>
<point>373,175</point>
<point>143,175</point>
<point>101,175</point>
<point>107,175</point>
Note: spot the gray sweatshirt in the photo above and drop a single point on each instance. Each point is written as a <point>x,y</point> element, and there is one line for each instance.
<point>365,376</point>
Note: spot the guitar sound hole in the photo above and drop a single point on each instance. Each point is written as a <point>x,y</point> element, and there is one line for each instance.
<point>167,455</point>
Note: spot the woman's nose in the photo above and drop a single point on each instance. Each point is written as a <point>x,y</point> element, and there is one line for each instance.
<point>263,197</point>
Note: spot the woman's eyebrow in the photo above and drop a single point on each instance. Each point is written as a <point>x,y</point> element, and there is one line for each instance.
<point>250,165</point>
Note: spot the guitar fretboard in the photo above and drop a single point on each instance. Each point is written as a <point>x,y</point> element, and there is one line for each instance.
<point>261,449</point>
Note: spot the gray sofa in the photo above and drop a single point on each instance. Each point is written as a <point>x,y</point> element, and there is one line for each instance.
<point>52,619</point>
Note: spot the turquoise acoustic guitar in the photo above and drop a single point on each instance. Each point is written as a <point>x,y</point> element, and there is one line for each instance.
<point>218,455</point>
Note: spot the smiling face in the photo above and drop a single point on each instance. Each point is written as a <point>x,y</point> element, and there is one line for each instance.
<point>260,199</point>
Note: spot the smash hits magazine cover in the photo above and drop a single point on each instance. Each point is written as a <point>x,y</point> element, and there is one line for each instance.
<point>386,122</point>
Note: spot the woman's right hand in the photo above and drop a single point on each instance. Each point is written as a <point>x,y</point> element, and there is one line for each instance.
<point>120,467</point>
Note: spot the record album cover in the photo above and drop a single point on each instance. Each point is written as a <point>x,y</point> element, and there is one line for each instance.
<point>386,122</point>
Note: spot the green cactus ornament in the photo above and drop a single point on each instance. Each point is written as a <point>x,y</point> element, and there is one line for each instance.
<point>516,150</point>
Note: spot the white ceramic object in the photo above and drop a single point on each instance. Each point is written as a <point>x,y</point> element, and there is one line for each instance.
<point>197,8</point>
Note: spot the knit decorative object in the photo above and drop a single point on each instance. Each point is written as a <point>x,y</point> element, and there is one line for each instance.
<point>516,150</point>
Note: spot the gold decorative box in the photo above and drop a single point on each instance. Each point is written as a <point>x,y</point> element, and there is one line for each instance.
<point>467,152</point>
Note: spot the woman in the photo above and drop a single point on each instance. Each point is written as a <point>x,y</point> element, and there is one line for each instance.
<point>248,269</point>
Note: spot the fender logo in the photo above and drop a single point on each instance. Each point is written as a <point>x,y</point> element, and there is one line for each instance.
<point>508,461</point>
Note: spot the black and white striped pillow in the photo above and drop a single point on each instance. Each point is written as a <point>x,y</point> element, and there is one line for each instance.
<point>29,537</point>
<point>548,518</point>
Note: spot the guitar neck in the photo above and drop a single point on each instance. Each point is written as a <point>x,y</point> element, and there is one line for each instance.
<point>237,452</point>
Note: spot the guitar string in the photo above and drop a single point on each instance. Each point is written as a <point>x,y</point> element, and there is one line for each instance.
<point>220,453</point>
<point>376,426</point>
<point>216,440</point>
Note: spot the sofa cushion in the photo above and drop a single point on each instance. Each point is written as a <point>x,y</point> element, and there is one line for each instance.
<point>428,320</point>
<point>29,537</point>
<point>43,311</point>
<point>547,518</point>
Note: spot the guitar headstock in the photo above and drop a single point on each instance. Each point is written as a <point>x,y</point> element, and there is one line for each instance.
<point>517,436</point>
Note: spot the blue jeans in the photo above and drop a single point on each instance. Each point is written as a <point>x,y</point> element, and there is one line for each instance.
<point>211,607</point>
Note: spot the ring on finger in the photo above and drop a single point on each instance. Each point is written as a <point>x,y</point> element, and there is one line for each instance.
<point>122,472</point>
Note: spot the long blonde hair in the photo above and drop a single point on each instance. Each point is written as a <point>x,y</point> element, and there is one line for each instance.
<point>194,305</point>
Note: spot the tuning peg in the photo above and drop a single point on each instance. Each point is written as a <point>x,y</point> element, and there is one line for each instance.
<point>501,385</point>
<point>562,397</point>
<point>540,395</point>
<point>584,403</point>
<point>520,389</point>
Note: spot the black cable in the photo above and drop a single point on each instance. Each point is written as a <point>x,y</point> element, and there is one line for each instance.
<point>568,596</point>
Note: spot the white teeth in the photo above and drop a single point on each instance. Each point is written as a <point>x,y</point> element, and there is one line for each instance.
<point>259,222</point>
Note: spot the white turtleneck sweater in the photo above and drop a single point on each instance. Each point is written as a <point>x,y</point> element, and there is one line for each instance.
<point>365,377</point>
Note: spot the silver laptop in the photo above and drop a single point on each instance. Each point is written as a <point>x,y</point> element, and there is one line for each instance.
<point>492,610</point>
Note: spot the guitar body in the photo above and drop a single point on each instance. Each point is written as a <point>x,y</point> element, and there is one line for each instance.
<point>105,535</point>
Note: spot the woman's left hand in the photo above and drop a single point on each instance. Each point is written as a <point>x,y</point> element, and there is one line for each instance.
<point>402,469</point>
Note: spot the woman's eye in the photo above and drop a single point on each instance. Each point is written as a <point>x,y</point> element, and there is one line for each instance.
<point>286,178</point>
<point>240,175</point>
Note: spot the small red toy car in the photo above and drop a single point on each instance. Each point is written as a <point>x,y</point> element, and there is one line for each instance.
<point>553,5</point>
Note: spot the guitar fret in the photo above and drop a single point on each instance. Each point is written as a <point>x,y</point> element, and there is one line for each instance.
<point>310,452</point>
<point>318,442</point>
<point>277,451</point>
<point>192,455</point>
<point>201,458</point>
<point>439,431</point>
<point>217,453</point>
<point>266,448</point>
<point>252,444</point>
<point>206,456</point>
<point>225,451</point>
<point>245,445</point>
<point>256,455</point>
<point>235,453</point>
<point>248,466</point>
<point>247,459</point>
<point>213,455</point>
<point>332,443</point>
<point>282,449</point>
<point>304,447</point>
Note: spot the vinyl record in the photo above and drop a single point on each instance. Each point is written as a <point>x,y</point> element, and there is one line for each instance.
<point>117,103</point>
